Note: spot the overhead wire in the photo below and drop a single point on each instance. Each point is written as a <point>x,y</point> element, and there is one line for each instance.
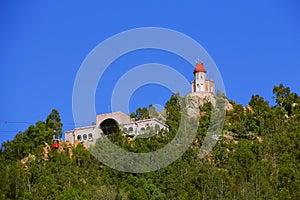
<point>3,124</point>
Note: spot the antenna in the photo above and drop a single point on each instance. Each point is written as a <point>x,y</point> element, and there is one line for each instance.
<point>199,61</point>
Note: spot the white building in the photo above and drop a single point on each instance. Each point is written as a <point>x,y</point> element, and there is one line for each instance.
<point>110,122</point>
<point>201,83</point>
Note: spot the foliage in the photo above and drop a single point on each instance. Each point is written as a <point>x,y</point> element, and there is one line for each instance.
<point>258,157</point>
<point>33,138</point>
<point>140,113</point>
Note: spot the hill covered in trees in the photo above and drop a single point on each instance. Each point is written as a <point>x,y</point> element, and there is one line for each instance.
<point>257,157</point>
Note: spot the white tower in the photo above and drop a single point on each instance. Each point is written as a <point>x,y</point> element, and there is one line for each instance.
<point>199,84</point>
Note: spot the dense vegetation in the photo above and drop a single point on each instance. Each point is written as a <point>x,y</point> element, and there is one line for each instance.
<point>258,157</point>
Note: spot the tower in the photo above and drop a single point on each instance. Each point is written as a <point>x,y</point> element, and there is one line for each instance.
<point>201,83</point>
<point>199,78</point>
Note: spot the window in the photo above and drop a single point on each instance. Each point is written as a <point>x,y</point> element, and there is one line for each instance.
<point>125,130</point>
<point>84,137</point>
<point>143,129</point>
<point>90,136</point>
<point>130,129</point>
<point>79,137</point>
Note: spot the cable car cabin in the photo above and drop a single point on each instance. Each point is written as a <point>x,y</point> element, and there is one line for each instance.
<point>55,143</point>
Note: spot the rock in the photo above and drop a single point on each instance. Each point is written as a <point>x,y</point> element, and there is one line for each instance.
<point>198,99</point>
<point>249,108</point>
<point>27,159</point>
<point>46,151</point>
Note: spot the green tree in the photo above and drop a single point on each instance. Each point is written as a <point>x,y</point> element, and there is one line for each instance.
<point>53,123</point>
<point>140,113</point>
<point>173,110</point>
<point>284,97</point>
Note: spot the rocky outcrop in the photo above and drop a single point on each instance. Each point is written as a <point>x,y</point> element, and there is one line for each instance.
<point>249,108</point>
<point>27,159</point>
<point>198,99</point>
<point>46,151</point>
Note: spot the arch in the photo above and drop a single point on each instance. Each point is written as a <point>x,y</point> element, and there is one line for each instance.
<point>90,136</point>
<point>84,137</point>
<point>79,137</point>
<point>143,129</point>
<point>109,126</point>
<point>125,130</point>
<point>130,129</point>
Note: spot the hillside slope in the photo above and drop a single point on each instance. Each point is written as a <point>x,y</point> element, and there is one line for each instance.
<point>257,157</point>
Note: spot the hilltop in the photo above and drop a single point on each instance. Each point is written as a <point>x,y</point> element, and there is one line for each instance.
<point>256,157</point>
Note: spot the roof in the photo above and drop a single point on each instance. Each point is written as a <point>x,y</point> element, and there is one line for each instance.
<point>199,68</point>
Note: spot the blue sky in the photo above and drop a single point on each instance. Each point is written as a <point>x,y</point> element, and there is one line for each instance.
<point>255,44</point>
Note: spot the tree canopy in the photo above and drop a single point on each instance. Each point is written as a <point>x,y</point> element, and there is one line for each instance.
<point>257,157</point>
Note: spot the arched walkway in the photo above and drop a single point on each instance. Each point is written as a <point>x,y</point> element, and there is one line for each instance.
<point>109,126</point>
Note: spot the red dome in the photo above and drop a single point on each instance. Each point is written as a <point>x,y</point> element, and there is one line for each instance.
<point>199,68</point>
